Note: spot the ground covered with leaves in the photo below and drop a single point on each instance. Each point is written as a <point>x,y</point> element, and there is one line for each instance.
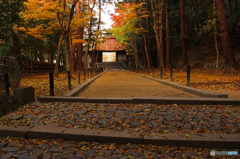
<point>212,81</point>
<point>23,148</point>
<point>40,83</point>
<point>143,118</point>
<point>202,79</point>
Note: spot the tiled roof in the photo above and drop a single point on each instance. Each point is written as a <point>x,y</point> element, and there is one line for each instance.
<point>111,44</point>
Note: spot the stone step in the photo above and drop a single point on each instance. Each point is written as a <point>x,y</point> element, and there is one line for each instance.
<point>111,65</point>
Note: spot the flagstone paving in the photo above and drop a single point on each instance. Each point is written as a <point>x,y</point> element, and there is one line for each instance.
<point>23,148</point>
<point>143,118</point>
<point>126,84</point>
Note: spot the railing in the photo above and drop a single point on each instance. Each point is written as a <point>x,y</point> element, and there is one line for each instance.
<point>29,66</point>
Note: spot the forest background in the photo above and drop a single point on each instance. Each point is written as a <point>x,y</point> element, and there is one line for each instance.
<point>199,33</point>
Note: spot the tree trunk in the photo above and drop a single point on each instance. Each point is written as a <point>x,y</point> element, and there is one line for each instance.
<point>72,51</point>
<point>65,28</point>
<point>79,33</point>
<point>94,58</point>
<point>148,38</point>
<point>57,64</point>
<point>143,43</point>
<point>215,31</point>
<point>163,62</point>
<point>161,34</point>
<point>230,13</point>
<point>67,50</point>
<point>87,48</point>
<point>168,49</point>
<point>227,48</point>
<point>89,35</point>
<point>156,19</point>
<point>99,24</point>
<point>184,47</point>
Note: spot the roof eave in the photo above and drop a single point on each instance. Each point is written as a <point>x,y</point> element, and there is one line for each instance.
<point>111,50</point>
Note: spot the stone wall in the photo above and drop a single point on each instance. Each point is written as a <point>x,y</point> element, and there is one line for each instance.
<point>21,96</point>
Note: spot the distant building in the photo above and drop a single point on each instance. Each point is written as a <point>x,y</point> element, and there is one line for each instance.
<point>111,51</point>
<point>111,54</point>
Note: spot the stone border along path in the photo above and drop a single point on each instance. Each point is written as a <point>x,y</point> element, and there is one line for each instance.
<point>23,148</point>
<point>83,86</point>
<point>195,91</point>
<point>136,124</point>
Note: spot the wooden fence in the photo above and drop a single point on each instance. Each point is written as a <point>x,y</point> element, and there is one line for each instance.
<point>29,66</point>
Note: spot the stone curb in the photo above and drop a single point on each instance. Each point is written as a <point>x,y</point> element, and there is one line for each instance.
<point>109,100</point>
<point>80,134</point>
<point>195,91</point>
<point>19,131</point>
<point>61,99</point>
<point>49,131</point>
<point>186,100</point>
<point>194,140</point>
<point>83,86</point>
<point>140,99</point>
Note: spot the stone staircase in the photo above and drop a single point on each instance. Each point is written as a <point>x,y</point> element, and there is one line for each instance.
<point>111,65</point>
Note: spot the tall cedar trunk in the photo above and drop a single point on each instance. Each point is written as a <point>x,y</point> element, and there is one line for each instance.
<point>184,47</point>
<point>72,50</point>
<point>148,37</point>
<point>168,49</point>
<point>67,50</point>
<point>81,50</point>
<point>230,13</point>
<point>143,53</point>
<point>143,44</point>
<point>156,30</point>
<point>227,48</point>
<point>94,63</point>
<point>134,44</point>
<point>57,64</point>
<point>78,32</point>
<point>89,36</point>
<point>161,34</point>
<point>215,31</point>
<point>236,10</point>
<point>163,62</point>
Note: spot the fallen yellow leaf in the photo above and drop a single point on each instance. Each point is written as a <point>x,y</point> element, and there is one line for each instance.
<point>188,136</point>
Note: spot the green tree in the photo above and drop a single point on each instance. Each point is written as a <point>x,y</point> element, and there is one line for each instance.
<point>9,19</point>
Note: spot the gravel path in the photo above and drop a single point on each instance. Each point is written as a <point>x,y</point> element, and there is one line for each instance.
<point>125,84</point>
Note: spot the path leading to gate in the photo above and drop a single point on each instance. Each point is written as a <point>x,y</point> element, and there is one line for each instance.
<point>125,84</point>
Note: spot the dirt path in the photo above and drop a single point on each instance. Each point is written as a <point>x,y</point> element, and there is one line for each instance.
<point>125,84</point>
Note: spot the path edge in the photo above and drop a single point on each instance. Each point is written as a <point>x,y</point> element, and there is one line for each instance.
<point>188,89</point>
<point>83,86</point>
<point>121,137</point>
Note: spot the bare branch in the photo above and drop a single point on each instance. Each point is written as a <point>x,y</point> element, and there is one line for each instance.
<point>58,21</point>
<point>71,15</point>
